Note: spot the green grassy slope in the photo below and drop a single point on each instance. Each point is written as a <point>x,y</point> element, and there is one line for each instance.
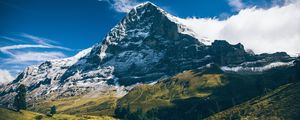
<point>6,114</point>
<point>280,104</point>
<point>79,105</point>
<point>197,94</point>
<point>182,86</point>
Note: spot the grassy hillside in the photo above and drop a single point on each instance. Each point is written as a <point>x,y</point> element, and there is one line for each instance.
<point>79,105</point>
<point>6,114</point>
<point>182,86</point>
<point>197,94</point>
<point>280,104</point>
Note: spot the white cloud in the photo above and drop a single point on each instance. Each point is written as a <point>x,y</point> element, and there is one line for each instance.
<point>39,40</point>
<point>43,41</point>
<point>40,43</point>
<point>19,55</point>
<point>34,56</point>
<point>236,4</point>
<point>11,39</point>
<point>121,5</point>
<point>262,30</point>
<point>6,49</point>
<point>13,47</point>
<point>5,76</point>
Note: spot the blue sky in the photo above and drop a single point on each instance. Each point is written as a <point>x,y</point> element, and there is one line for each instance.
<point>33,31</point>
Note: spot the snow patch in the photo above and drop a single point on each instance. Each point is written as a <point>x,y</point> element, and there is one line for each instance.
<point>257,69</point>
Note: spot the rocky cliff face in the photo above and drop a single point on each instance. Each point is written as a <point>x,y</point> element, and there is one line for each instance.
<point>146,45</point>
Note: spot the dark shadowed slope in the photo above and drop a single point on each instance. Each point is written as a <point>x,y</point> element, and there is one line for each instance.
<point>281,104</point>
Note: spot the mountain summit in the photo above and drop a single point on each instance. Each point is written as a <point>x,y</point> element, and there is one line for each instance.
<point>143,47</point>
<point>148,44</point>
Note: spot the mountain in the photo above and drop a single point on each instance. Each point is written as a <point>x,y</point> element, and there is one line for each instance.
<point>202,92</point>
<point>147,45</point>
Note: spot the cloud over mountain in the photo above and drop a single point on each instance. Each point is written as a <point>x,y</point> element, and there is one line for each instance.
<point>5,76</point>
<point>122,6</point>
<point>262,30</point>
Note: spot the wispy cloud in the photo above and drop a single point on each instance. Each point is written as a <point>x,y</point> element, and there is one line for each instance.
<point>11,39</point>
<point>5,76</point>
<point>12,47</point>
<point>121,5</point>
<point>43,41</point>
<point>236,4</point>
<point>22,54</point>
<point>39,40</point>
<point>40,43</point>
<point>34,56</point>
<point>6,49</point>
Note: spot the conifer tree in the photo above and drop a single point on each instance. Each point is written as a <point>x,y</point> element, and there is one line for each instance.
<point>20,98</point>
<point>53,110</point>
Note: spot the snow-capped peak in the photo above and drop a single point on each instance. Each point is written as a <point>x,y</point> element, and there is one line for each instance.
<point>184,26</point>
<point>144,4</point>
<point>147,44</point>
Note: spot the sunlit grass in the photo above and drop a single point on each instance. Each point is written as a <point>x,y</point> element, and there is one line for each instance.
<point>182,86</point>
<point>6,114</point>
<point>101,105</point>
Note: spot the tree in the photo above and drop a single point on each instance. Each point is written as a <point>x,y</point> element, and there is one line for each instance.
<point>20,98</point>
<point>53,110</point>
